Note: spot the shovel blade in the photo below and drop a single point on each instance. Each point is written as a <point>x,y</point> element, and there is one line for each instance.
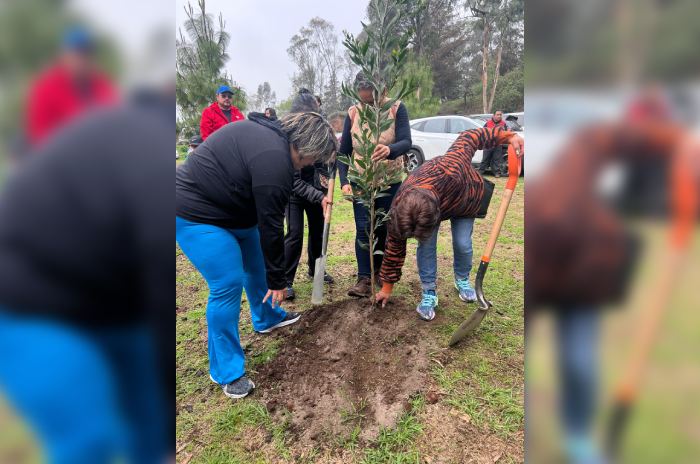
<point>468,326</point>
<point>319,273</point>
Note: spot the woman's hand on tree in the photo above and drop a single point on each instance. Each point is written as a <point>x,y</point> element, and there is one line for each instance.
<point>381,152</point>
<point>277,297</point>
<point>347,191</point>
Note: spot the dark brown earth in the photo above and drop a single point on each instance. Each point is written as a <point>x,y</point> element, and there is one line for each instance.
<point>346,365</point>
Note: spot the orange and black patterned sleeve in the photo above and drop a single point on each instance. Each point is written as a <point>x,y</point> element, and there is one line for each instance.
<point>472,140</point>
<point>394,257</point>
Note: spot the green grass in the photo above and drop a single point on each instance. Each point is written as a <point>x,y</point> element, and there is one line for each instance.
<point>484,378</point>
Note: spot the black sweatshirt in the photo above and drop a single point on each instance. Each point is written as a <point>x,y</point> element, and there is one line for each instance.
<point>399,147</point>
<point>85,223</point>
<point>307,183</point>
<point>241,176</point>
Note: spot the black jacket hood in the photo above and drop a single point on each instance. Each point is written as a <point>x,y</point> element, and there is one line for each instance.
<point>261,119</point>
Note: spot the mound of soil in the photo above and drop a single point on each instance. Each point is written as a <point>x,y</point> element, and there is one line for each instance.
<point>346,365</point>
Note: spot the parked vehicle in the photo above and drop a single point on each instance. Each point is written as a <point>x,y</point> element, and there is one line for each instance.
<point>433,136</point>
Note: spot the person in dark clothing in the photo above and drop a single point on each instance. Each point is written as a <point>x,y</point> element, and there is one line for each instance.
<point>393,143</point>
<point>231,195</point>
<point>219,113</point>
<point>493,157</point>
<point>305,101</point>
<point>308,196</point>
<point>271,114</point>
<point>86,327</point>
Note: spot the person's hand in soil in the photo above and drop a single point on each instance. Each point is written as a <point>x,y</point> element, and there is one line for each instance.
<point>382,298</point>
<point>381,152</point>
<point>277,296</point>
<point>347,191</point>
<point>518,144</point>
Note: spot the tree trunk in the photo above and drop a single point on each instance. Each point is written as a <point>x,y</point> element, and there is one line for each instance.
<point>496,74</point>
<point>484,66</point>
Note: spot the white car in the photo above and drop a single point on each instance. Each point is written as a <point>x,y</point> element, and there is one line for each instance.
<point>433,137</point>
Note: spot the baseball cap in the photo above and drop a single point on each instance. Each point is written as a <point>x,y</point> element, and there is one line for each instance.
<point>78,39</point>
<point>224,88</point>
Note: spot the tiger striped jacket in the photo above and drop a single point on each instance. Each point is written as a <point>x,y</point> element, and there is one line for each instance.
<point>456,183</point>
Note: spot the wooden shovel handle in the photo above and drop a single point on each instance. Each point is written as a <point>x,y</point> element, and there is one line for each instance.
<point>514,166</point>
<point>329,196</point>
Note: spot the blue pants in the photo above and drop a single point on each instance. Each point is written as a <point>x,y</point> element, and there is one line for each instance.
<point>361,213</point>
<point>90,396</point>
<point>577,339</point>
<point>426,254</point>
<point>229,260</point>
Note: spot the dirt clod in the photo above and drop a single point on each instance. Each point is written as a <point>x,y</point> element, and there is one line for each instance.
<point>432,397</point>
<point>343,368</point>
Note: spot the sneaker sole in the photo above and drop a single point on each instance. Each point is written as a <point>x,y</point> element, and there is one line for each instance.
<point>243,395</point>
<point>280,325</point>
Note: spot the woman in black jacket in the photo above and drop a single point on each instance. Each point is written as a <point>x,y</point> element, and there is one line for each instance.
<point>231,195</point>
<point>308,197</point>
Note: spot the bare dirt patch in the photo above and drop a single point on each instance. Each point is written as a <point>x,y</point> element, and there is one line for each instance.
<point>450,438</point>
<point>347,365</point>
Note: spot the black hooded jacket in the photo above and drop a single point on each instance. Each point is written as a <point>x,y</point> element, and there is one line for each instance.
<point>241,176</point>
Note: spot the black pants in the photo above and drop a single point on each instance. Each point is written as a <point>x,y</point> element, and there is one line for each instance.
<point>294,239</point>
<point>493,159</point>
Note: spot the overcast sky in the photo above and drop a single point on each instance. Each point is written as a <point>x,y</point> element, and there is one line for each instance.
<point>260,33</point>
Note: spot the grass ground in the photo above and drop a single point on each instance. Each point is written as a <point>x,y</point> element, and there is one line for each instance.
<point>665,424</point>
<point>478,415</point>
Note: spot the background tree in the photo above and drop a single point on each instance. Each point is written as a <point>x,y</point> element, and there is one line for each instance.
<point>420,103</point>
<point>319,62</point>
<point>200,60</point>
<point>263,98</point>
<point>500,25</point>
<point>382,57</point>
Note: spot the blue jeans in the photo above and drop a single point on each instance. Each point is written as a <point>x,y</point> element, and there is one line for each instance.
<point>361,236</point>
<point>426,254</point>
<point>229,260</point>
<point>577,340</point>
<point>90,396</point>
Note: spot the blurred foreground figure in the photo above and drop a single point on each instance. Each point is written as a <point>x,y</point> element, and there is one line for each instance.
<point>86,330</point>
<point>580,253</point>
<point>67,88</point>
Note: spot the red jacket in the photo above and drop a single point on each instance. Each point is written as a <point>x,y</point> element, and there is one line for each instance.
<point>213,119</point>
<point>55,99</point>
<point>491,124</point>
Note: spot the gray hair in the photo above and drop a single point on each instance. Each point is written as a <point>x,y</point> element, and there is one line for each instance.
<point>362,82</point>
<point>311,135</point>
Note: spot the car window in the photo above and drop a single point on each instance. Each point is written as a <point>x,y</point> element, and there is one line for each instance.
<point>458,125</point>
<point>513,125</point>
<point>418,126</point>
<point>435,125</point>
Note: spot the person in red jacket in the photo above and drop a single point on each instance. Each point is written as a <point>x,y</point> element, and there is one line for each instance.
<point>493,157</point>
<point>219,113</point>
<point>67,89</point>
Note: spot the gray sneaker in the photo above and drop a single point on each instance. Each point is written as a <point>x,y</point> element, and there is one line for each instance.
<point>289,319</point>
<point>239,388</point>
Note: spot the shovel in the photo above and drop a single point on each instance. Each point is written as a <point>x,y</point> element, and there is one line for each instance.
<point>468,326</point>
<point>320,268</point>
<point>685,203</point>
